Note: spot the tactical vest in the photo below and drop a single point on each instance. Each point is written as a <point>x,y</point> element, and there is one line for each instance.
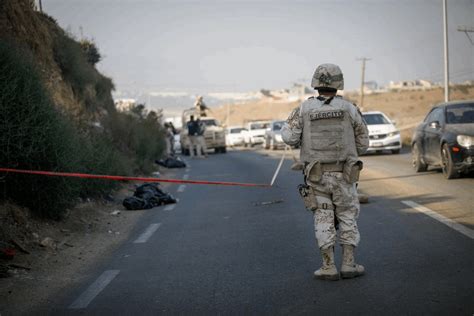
<point>328,135</point>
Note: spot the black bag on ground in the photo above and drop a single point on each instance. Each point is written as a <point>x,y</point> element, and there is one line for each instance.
<point>147,196</point>
<point>171,163</point>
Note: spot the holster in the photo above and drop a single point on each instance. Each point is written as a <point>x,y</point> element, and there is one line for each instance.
<point>313,172</point>
<point>309,199</point>
<point>352,170</point>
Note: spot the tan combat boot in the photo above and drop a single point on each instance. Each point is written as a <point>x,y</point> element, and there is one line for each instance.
<point>349,268</point>
<point>328,271</point>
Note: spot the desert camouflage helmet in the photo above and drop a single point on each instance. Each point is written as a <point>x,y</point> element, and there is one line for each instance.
<point>328,76</point>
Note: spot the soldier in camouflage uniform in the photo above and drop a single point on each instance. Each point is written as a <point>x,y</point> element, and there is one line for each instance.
<point>331,133</point>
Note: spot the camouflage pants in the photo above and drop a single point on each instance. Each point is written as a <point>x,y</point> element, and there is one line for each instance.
<point>337,198</point>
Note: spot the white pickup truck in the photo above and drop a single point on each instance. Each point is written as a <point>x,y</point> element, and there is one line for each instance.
<point>255,133</point>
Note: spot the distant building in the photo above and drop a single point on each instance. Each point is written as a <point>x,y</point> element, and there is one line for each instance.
<point>370,86</point>
<point>410,85</point>
<point>124,105</point>
<point>299,92</point>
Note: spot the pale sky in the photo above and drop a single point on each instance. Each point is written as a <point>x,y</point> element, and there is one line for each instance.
<point>247,45</point>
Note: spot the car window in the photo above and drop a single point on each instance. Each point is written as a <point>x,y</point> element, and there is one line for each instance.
<point>209,122</point>
<point>236,130</point>
<point>435,115</point>
<point>375,119</point>
<point>258,126</point>
<point>277,125</point>
<point>460,114</point>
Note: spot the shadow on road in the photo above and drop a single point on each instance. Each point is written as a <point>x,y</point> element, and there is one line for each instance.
<point>401,176</point>
<point>426,200</point>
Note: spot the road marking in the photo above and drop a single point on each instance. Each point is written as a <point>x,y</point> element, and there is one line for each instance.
<point>94,289</point>
<point>447,221</point>
<point>181,188</point>
<point>186,177</point>
<point>147,233</point>
<point>169,207</point>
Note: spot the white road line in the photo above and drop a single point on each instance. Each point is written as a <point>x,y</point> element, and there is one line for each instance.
<point>181,188</point>
<point>147,233</point>
<point>447,221</point>
<point>169,207</point>
<point>94,289</point>
<point>186,177</point>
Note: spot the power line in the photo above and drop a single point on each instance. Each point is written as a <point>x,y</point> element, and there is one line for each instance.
<point>467,30</point>
<point>363,59</point>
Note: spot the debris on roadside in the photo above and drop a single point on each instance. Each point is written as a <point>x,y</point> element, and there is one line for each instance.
<point>48,242</point>
<point>268,202</point>
<point>147,196</point>
<point>116,212</point>
<point>7,253</point>
<point>19,246</point>
<point>19,266</point>
<point>363,198</point>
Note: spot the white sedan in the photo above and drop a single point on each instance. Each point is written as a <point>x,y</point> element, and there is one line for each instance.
<point>235,136</point>
<point>383,135</point>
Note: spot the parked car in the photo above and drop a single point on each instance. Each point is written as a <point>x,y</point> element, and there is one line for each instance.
<point>234,136</point>
<point>273,138</point>
<point>383,135</point>
<point>256,132</point>
<point>446,139</point>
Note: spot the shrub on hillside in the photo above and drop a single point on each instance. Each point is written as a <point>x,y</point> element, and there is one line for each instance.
<point>139,134</point>
<point>92,52</point>
<point>33,135</point>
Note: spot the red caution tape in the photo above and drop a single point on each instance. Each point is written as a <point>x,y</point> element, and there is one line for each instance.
<point>123,178</point>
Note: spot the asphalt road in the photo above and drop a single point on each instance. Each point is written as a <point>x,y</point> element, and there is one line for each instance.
<point>221,251</point>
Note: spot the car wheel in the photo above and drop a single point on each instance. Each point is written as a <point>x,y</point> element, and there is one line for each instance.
<point>417,162</point>
<point>267,145</point>
<point>447,164</point>
<point>223,150</point>
<point>272,144</point>
<point>395,151</point>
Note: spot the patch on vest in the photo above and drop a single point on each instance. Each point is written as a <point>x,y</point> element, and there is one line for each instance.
<point>326,115</point>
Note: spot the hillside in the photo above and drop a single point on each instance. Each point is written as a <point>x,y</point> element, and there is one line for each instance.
<point>407,108</point>
<point>78,90</point>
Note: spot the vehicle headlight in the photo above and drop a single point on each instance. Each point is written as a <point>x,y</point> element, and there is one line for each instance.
<point>465,141</point>
<point>278,138</point>
<point>393,134</point>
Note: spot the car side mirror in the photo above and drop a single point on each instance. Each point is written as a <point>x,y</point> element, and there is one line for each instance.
<point>394,122</point>
<point>434,124</point>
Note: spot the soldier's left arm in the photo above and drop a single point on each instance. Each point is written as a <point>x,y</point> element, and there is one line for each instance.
<point>361,132</point>
<point>293,128</point>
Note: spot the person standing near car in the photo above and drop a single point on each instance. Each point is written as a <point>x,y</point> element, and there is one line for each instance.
<point>331,133</point>
<point>200,138</point>
<point>193,134</point>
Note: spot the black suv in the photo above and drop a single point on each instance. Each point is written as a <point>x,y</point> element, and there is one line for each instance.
<point>446,139</point>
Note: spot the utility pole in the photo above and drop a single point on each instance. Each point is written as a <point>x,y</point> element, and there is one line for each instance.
<point>446,55</point>
<point>40,5</point>
<point>361,103</point>
<point>467,30</point>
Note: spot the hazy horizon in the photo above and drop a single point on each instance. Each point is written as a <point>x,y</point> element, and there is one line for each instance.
<point>206,46</point>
